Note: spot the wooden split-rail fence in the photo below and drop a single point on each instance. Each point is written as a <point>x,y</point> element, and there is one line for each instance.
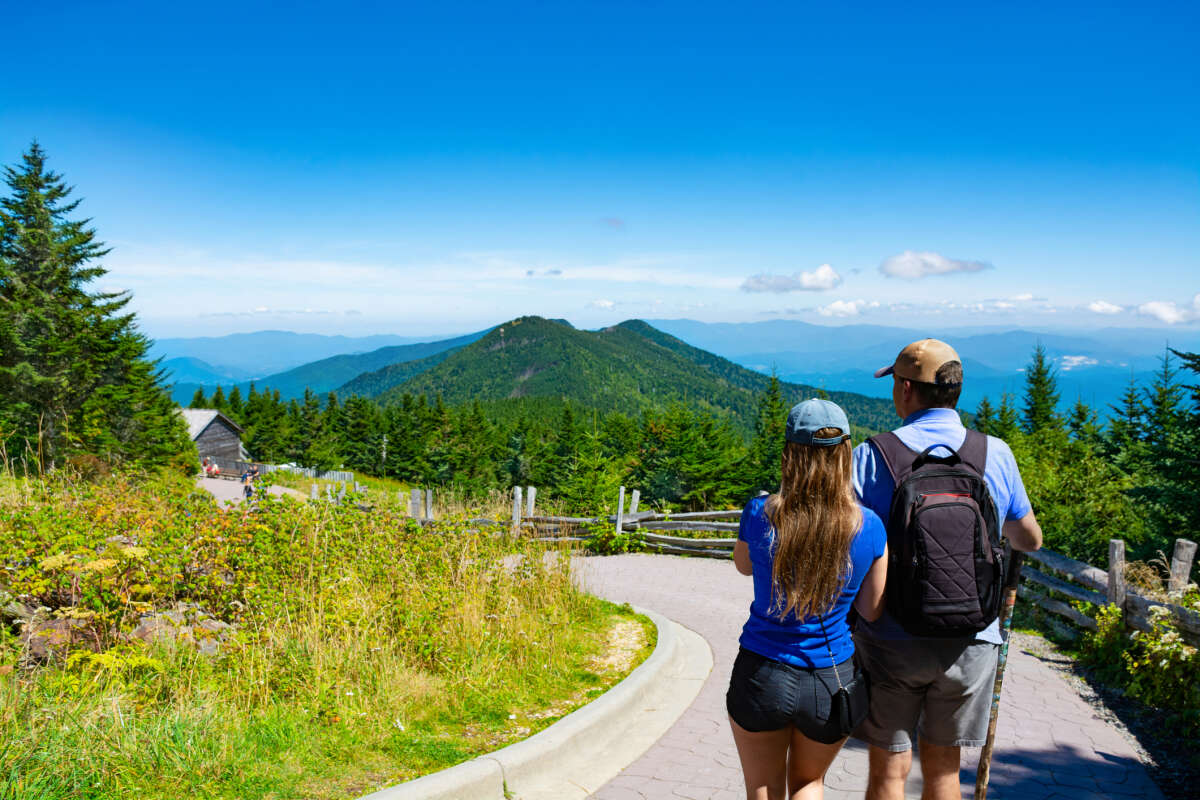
<point>1057,577</point>
<point>1050,581</point>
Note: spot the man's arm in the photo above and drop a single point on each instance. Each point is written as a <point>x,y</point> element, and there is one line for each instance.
<point>1024,534</point>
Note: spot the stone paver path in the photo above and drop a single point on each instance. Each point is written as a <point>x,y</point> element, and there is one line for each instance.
<point>1049,745</point>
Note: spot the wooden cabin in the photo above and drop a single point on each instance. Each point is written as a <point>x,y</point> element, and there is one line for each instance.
<point>217,437</point>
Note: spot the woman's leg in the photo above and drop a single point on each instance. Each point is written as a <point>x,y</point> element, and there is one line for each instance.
<point>808,761</point>
<point>764,757</point>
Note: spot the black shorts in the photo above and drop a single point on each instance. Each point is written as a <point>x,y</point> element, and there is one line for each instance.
<point>766,695</point>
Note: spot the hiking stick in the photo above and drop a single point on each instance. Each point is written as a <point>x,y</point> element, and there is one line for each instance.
<point>1006,608</point>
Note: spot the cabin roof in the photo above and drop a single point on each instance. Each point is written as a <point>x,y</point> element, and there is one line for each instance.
<point>200,418</point>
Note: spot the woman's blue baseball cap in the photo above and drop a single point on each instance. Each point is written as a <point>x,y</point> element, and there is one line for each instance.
<point>805,419</point>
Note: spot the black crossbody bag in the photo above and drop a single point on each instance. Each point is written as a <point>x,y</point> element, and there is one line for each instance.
<point>850,704</point>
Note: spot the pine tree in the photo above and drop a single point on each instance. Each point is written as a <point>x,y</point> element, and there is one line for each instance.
<point>1041,394</point>
<point>1006,426</point>
<point>74,372</point>
<point>1082,423</point>
<point>985,417</point>
<point>234,404</point>
<point>198,400</point>
<point>218,400</point>
<point>764,459</point>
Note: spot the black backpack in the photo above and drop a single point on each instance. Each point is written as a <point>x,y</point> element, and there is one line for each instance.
<point>945,556</point>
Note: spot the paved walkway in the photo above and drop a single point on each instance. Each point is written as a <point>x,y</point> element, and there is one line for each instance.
<point>1049,745</point>
<point>224,489</point>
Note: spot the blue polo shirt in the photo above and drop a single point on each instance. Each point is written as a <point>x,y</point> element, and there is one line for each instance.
<point>792,640</point>
<point>927,428</point>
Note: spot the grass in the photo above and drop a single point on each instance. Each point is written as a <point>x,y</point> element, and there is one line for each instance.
<point>368,650</point>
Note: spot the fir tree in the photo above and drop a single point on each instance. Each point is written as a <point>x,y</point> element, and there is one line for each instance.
<point>765,457</point>
<point>198,400</point>
<point>1083,424</point>
<point>1006,426</point>
<point>218,400</point>
<point>985,417</point>
<point>74,372</point>
<point>234,404</point>
<point>1041,394</point>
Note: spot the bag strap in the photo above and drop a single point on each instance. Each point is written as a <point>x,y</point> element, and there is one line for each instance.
<point>896,455</point>
<point>974,451</point>
<point>832,660</point>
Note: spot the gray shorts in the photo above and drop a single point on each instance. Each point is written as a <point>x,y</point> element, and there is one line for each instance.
<point>940,689</point>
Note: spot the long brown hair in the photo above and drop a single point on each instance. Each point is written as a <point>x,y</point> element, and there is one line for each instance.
<point>815,516</point>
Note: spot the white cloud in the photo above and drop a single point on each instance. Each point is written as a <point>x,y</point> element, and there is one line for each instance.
<point>846,308</point>
<point>1024,297</point>
<point>821,279</point>
<point>1071,362</point>
<point>1169,312</point>
<point>911,265</point>
<point>602,304</point>
<point>1003,304</point>
<point>1104,307</point>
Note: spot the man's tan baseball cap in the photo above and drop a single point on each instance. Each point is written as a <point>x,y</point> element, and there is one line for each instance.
<point>920,361</point>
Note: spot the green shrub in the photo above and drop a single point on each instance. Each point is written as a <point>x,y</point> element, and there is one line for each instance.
<point>1157,667</point>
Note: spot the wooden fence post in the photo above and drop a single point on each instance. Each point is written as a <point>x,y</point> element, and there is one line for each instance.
<point>429,504</point>
<point>1181,565</point>
<point>530,499</point>
<point>329,492</point>
<point>313,493</point>
<point>620,509</point>
<point>633,503</point>
<point>414,504</point>
<point>516,512</point>
<point>1116,574</point>
<point>341,495</point>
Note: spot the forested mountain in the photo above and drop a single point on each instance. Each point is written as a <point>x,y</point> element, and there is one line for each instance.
<point>627,368</point>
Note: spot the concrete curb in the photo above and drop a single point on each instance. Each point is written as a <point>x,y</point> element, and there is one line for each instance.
<point>583,750</point>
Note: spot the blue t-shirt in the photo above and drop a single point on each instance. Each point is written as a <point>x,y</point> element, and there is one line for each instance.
<point>937,426</point>
<point>801,641</point>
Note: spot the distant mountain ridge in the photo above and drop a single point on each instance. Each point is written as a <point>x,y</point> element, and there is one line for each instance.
<point>330,373</point>
<point>265,353</point>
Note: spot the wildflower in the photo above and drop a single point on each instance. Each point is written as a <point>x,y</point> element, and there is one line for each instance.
<point>398,724</point>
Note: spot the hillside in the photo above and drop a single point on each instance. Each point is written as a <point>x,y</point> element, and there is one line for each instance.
<point>628,368</point>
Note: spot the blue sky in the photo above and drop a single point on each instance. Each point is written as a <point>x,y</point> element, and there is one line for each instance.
<point>398,168</point>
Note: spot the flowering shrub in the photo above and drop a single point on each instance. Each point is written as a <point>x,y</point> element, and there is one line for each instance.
<point>364,648</point>
<point>1157,667</point>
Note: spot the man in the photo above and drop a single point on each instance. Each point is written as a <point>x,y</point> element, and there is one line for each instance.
<point>939,689</point>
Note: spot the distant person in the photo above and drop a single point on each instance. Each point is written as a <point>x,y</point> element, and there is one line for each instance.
<point>248,483</point>
<point>813,551</point>
<point>932,654</point>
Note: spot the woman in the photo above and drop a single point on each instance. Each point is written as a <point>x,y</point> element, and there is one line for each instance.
<point>813,551</point>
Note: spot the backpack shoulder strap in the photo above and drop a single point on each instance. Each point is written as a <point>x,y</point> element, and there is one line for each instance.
<point>896,455</point>
<point>974,451</point>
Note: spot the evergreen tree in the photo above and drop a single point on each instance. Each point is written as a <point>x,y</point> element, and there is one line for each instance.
<point>1006,426</point>
<point>218,400</point>
<point>1125,441</point>
<point>198,400</point>
<point>1083,423</point>
<point>234,404</point>
<point>985,417</point>
<point>74,372</point>
<point>1041,394</point>
<point>763,465</point>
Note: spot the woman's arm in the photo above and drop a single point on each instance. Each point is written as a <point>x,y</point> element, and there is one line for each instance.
<point>869,602</point>
<point>741,557</point>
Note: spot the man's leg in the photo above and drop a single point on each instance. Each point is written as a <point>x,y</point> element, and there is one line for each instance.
<point>888,772</point>
<point>939,772</point>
